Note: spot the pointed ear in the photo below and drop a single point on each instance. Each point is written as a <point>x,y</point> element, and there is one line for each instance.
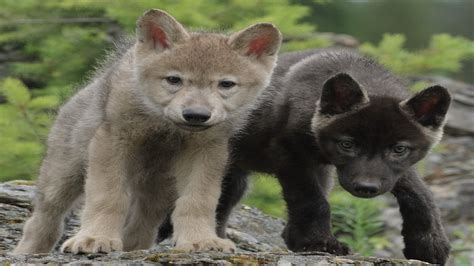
<point>341,94</point>
<point>157,30</point>
<point>259,40</point>
<point>428,107</point>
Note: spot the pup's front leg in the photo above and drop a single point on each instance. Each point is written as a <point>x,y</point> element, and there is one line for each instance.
<point>309,215</point>
<point>422,230</point>
<point>195,211</point>
<point>106,202</point>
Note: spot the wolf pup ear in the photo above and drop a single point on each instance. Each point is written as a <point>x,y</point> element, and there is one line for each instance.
<point>341,94</point>
<point>428,107</point>
<point>157,30</point>
<point>259,40</point>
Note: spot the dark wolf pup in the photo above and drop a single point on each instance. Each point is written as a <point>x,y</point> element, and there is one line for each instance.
<point>336,108</point>
<point>148,134</point>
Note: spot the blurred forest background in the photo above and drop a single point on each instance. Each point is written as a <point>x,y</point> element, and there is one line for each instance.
<point>48,48</point>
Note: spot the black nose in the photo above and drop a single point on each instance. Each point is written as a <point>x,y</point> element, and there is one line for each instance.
<point>366,188</point>
<point>196,115</point>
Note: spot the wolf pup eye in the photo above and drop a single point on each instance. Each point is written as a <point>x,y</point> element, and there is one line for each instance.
<point>174,80</point>
<point>346,145</point>
<point>399,149</point>
<point>226,84</point>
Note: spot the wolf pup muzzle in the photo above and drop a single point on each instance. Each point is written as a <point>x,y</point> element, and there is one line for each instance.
<point>195,119</point>
<point>366,188</point>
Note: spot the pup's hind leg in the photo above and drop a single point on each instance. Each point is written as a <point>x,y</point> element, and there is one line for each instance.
<point>152,199</point>
<point>165,230</point>
<point>141,227</point>
<point>58,186</point>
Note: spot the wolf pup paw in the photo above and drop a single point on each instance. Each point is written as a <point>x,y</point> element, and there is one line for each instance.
<point>300,242</point>
<point>329,244</point>
<point>433,248</point>
<point>87,244</point>
<point>212,244</point>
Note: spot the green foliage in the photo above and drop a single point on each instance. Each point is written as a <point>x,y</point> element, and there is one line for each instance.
<point>24,123</point>
<point>419,86</point>
<point>309,43</point>
<point>229,14</point>
<point>265,194</point>
<point>15,92</point>
<point>219,15</point>
<point>357,222</point>
<point>73,43</point>
<point>444,54</point>
<point>54,52</point>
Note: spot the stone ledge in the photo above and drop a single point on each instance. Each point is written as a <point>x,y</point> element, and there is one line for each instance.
<point>257,237</point>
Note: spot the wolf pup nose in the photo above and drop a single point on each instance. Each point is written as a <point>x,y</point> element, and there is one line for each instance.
<point>197,116</point>
<point>366,189</point>
<point>125,139</point>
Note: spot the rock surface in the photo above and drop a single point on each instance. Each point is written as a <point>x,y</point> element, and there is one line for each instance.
<point>256,235</point>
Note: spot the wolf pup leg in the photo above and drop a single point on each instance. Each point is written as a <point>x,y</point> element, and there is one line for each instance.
<point>309,217</point>
<point>140,229</point>
<point>422,230</point>
<point>165,230</point>
<point>194,214</point>
<point>59,184</point>
<point>55,195</point>
<point>107,200</point>
<point>233,189</point>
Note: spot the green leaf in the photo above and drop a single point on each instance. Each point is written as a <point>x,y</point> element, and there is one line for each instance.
<point>15,92</point>
<point>44,102</point>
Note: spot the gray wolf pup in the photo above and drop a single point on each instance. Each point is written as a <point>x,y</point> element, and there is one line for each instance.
<point>336,108</point>
<point>150,133</point>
